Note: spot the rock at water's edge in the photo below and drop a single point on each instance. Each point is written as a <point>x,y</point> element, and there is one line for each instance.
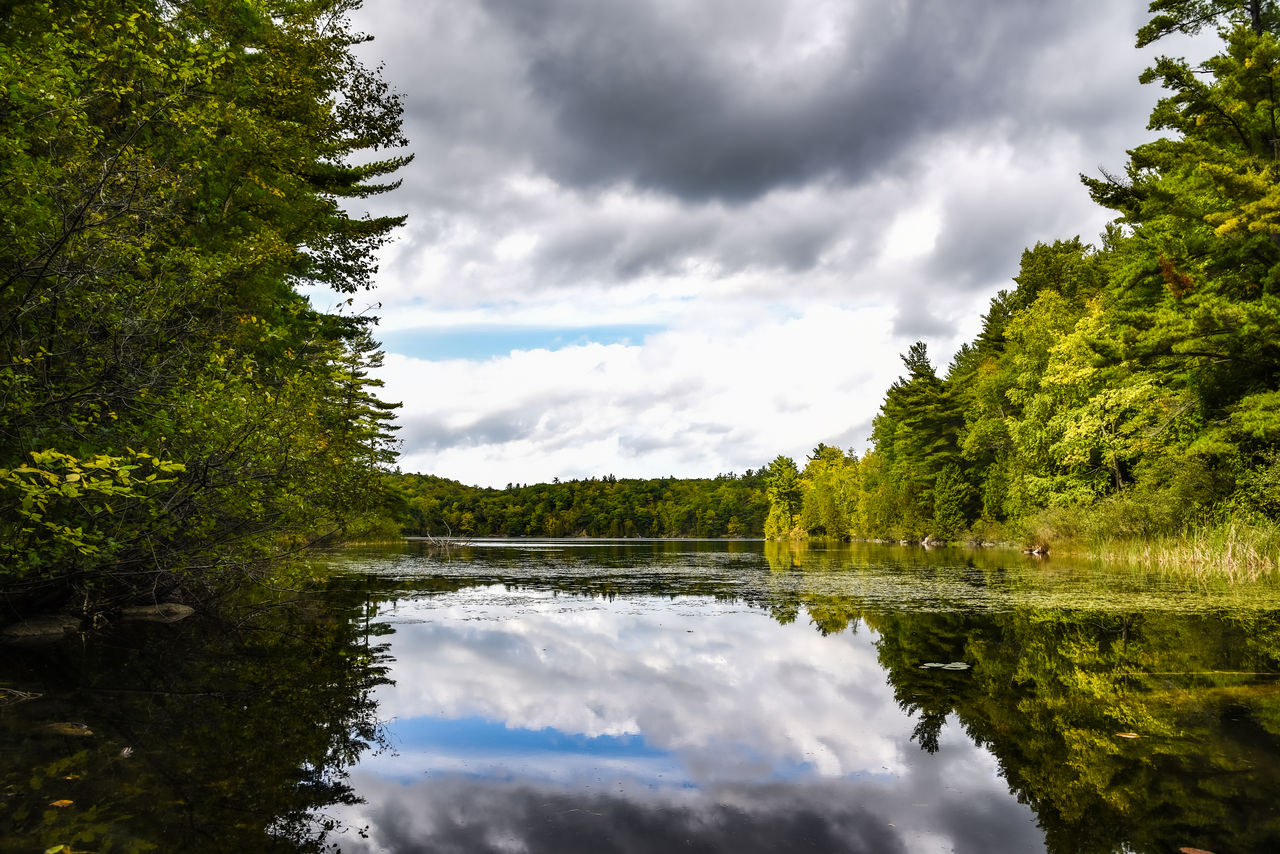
<point>165,612</point>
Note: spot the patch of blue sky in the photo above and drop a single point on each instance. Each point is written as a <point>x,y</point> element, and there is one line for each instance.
<point>477,734</point>
<point>478,343</point>
<point>480,748</point>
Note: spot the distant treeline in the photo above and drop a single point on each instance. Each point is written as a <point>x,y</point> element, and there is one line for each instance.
<point>727,505</point>
<point>1129,390</point>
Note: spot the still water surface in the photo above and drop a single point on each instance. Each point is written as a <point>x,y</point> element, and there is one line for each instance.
<point>563,696</point>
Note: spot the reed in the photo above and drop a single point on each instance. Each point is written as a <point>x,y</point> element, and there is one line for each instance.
<point>1235,549</point>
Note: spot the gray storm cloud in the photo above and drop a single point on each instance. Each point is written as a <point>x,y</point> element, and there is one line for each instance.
<point>702,106</point>
<point>730,102</point>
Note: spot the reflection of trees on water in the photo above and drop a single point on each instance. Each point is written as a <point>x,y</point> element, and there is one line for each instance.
<point>1147,731</point>
<point>238,737</point>
<point>1054,692</point>
<point>204,737</point>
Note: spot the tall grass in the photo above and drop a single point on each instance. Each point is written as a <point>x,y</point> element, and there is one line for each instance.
<point>1235,549</point>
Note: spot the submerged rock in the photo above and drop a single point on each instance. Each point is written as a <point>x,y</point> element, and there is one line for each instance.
<point>165,612</point>
<point>47,627</point>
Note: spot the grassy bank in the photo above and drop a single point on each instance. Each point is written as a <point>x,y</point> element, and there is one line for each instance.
<point>1235,549</point>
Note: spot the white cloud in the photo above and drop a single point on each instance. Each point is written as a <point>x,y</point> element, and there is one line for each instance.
<point>685,677</point>
<point>795,191</point>
<point>737,726</point>
<point>712,394</point>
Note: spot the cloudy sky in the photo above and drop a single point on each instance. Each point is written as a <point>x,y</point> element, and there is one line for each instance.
<point>680,237</point>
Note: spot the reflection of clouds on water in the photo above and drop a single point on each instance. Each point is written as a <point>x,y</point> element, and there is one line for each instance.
<point>483,748</point>
<point>526,721</point>
<point>707,680</point>
<point>456,814</point>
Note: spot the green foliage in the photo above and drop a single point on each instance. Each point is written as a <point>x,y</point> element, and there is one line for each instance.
<point>728,505</point>
<point>784,491</point>
<point>952,498</point>
<point>56,490</point>
<point>917,430</point>
<point>1131,390</point>
<point>830,485</point>
<point>1259,488</point>
<point>173,172</point>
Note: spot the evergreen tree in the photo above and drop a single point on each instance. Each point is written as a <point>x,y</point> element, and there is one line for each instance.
<point>173,172</point>
<point>916,434</point>
<point>1196,307</point>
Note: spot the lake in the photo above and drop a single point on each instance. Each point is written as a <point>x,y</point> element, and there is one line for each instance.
<point>634,696</point>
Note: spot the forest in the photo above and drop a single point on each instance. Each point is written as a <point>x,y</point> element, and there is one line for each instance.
<point>175,413</point>
<point>728,505</point>
<point>1123,391</point>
